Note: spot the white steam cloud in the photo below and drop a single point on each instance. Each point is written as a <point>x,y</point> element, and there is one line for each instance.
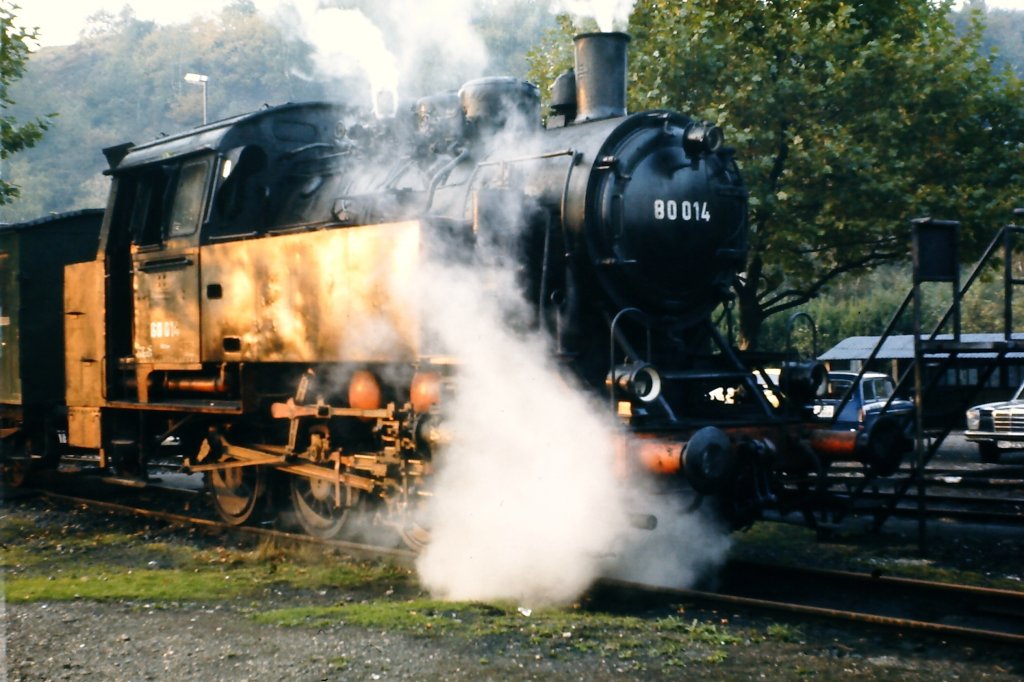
<point>346,42</point>
<point>610,15</point>
<point>527,503</point>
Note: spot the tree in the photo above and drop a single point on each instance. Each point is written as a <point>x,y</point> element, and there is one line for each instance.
<point>849,118</point>
<point>14,136</point>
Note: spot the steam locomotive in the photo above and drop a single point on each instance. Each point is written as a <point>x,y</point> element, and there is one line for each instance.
<point>245,304</point>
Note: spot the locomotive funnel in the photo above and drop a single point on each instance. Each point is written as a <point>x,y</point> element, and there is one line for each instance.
<point>600,75</point>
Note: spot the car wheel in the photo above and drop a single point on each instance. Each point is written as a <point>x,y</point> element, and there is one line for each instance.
<point>989,452</point>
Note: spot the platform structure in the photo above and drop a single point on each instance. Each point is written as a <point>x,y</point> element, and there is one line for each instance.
<point>930,353</point>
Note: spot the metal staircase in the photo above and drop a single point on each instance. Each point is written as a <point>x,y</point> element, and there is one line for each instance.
<point>936,260</point>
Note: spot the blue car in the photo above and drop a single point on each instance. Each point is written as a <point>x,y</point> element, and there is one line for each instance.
<point>882,430</point>
<point>865,405</point>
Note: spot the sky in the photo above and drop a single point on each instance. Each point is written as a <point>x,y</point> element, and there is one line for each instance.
<point>60,21</point>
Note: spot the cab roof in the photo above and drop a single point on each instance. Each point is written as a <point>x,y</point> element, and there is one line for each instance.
<point>288,125</point>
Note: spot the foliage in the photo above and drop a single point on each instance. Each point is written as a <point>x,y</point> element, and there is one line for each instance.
<point>864,305</point>
<point>849,119</point>
<point>14,53</point>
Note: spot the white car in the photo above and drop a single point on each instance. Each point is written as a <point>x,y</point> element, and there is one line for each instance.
<point>997,426</point>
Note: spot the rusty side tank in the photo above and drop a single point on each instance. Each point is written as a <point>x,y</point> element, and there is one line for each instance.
<point>326,296</point>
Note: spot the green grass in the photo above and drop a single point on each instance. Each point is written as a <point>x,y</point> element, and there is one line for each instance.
<point>158,585</point>
<point>975,561</point>
<point>56,563</point>
<point>665,642</point>
<point>781,632</point>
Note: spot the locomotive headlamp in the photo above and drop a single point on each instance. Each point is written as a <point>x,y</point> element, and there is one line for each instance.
<point>703,137</point>
<point>637,380</point>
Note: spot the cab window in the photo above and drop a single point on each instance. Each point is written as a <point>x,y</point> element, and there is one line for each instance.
<point>145,193</point>
<point>187,208</point>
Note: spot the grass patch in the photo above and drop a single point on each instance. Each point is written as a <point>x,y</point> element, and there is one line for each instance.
<point>159,586</point>
<point>963,560</point>
<point>781,632</point>
<point>62,562</point>
<point>664,642</point>
<point>199,580</point>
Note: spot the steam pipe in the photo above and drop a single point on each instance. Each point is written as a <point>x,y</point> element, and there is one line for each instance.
<point>193,383</point>
<point>442,174</point>
<point>544,276</point>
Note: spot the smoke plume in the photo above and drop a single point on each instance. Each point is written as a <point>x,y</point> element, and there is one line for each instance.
<point>527,504</point>
<point>397,41</point>
<point>610,15</point>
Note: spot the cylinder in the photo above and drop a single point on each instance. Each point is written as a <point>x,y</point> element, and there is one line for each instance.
<point>600,75</point>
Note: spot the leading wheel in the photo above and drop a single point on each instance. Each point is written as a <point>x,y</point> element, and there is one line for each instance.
<point>238,493</point>
<point>321,510</point>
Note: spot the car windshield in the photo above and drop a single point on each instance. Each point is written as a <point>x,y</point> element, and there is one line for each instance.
<point>837,388</point>
<point>879,388</point>
<point>873,388</point>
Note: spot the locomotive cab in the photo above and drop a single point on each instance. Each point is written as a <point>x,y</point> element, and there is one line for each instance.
<point>169,199</point>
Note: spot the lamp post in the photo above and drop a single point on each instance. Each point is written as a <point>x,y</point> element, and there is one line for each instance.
<point>201,80</point>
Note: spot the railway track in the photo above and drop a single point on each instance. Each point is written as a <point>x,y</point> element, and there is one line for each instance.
<point>353,549</point>
<point>972,493</point>
<point>900,604</point>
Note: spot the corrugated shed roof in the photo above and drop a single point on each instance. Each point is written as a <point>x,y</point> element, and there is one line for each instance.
<point>901,347</point>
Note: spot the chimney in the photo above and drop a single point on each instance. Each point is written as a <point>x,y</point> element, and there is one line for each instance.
<point>600,75</point>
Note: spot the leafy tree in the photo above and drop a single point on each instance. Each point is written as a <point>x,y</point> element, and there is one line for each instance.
<point>14,136</point>
<point>849,118</point>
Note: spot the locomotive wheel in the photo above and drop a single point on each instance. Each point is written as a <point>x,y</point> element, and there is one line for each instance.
<point>237,493</point>
<point>314,503</point>
<point>415,536</point>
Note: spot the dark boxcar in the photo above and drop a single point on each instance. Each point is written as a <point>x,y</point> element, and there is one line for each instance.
<point>32,260</point>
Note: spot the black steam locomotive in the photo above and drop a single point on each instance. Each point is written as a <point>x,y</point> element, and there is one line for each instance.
<point>245,305</point>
